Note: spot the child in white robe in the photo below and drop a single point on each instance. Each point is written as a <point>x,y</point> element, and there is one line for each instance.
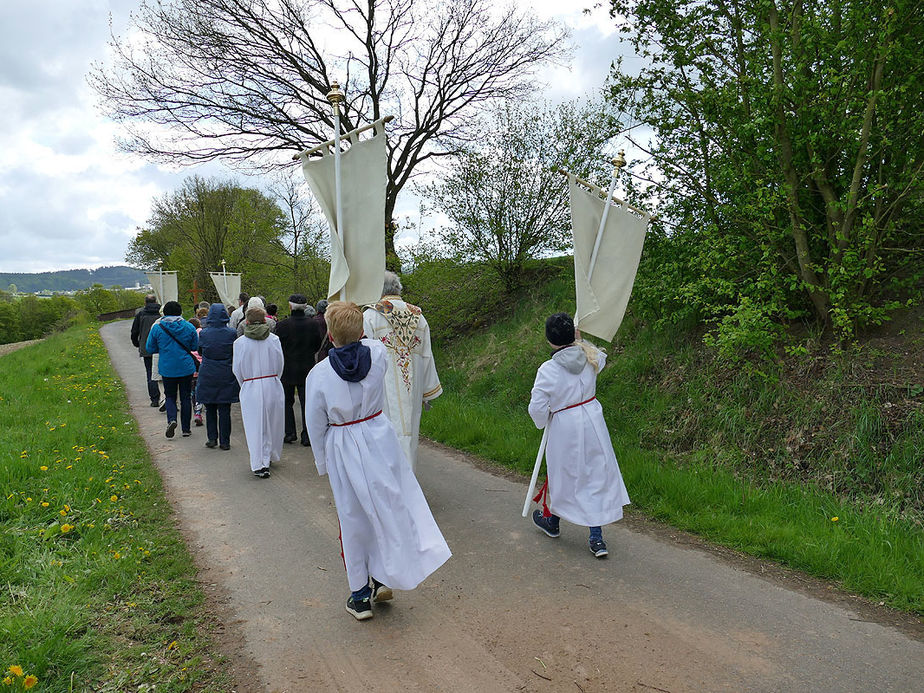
<point>387,530</point>
<point>584,485</point>
<point>257,365</point>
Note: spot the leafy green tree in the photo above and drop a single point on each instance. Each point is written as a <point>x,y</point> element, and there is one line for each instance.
<point>789,145</point>
<point>191,230</point>
<point>505,201</point>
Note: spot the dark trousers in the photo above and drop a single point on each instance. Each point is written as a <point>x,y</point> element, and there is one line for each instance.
<point>290,390</point>
<point>184,384</point>
<point>153,388</point>
<point>218,423</point>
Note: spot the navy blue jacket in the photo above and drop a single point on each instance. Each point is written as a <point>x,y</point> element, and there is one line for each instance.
<point>174,361</point>
<point>217,384</point>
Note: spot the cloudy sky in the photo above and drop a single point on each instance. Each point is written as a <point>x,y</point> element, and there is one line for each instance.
<point>68,199</point>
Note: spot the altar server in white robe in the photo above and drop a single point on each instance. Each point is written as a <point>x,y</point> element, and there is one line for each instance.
<point>584,485</point>
<point>411,382</point>
<point>388,534</point>
<point>257,365</point>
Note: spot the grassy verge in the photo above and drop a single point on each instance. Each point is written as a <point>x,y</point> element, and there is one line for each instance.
<point>99,592</point>
<point>723,452</point>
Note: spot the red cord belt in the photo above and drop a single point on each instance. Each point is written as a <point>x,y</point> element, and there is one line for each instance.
<point>350,423</point>
<point>260,377</point>
<point>579,404</point>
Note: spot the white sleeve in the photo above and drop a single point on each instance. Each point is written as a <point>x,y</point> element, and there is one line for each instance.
<point>236,363</point>
<point>316,418</point>
<point>539,401</point>
<point>430,380</point>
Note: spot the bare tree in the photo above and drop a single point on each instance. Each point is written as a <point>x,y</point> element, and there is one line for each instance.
<point>242,80</point>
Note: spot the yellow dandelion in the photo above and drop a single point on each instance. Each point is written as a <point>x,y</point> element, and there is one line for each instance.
<point>15,669</point>
<point>172,646</point>
<point>113,498</point>
<point>835,518</point>
<point>62,513</point>
<point>44,468</point>
<point>7,681</point>
<point>116,555</point>
<point>28,499</point>
<point>44,504</point>
<point>65,528</point>
<point>29,681</point>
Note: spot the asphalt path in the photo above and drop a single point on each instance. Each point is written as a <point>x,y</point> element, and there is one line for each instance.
<point>512,610</point>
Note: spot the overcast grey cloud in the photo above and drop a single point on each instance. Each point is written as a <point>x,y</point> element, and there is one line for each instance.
<point>68,198</point>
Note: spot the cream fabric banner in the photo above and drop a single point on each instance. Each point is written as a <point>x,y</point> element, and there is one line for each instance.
<point>228,286</point>
<point>601,302</point>
<point>357,260</point>
<point>164,285</point>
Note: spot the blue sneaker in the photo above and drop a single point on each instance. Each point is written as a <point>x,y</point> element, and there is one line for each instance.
<point>598,548</point>
<point>546,524</point>
<point>360,609</point>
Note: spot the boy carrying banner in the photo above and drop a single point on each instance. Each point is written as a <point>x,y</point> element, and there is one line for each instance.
<point>584,485</point>
<point>388,534</point>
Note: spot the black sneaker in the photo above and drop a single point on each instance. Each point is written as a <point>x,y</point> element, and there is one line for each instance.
<point>155,403</point>
<point>306,441</point>
<point>598,548</point>
<point>211,444</point>
<point>224,447</point>
<point>545,524</point>
<point>361,608</point>
<point>186,434</point>
<point>262,473</point>
<point>381,592</point>
<point>171,429</point>
<point>291,438</point>
<point>163,407</point>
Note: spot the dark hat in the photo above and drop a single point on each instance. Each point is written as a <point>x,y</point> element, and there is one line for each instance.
<point>559,329</point>
<point>322,306</point>
<point>298,299</point>
<point>172,308</point>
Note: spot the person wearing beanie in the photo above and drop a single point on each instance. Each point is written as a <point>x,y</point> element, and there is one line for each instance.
<point>412,381</point>
<point>390,539</point>
<point>583,485</point>
<point>174,339</point>
<point>257,364</point>
<point>256,302</point>
<point>300,337</point>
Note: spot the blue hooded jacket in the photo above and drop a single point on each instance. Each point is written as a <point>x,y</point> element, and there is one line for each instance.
<point>217,384</point>
<point>174,362</point>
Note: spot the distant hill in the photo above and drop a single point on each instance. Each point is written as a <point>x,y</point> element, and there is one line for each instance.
<point>73,280</point>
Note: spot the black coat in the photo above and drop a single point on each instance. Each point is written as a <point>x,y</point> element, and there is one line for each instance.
<point>301,338</point>
<point>145,318</point>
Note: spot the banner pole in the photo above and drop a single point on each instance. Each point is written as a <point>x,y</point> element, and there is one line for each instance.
<point>618,163</point>
<point>335,96</point>
<point>535,478</point>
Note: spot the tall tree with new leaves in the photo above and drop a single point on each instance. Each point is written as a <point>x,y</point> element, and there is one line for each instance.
<point>790,136</point>
<point>245,80</point>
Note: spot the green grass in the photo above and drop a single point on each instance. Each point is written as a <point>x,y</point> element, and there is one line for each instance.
<point>711,449</point>
<point>98,590</point>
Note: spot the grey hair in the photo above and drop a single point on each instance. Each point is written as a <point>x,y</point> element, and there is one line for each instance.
<point>393,285</point>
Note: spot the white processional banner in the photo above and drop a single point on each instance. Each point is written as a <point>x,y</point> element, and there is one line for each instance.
<point>164,285</point>
<point>601,301</point>
<point>357,259</point>
<point>228,286</point>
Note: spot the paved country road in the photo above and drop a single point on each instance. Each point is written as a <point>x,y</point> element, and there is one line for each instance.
<point>511,611</point>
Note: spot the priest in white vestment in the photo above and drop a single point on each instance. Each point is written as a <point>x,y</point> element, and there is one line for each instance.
<point>388,532</point>
<point>584,485</point>
<point>411,381</point>
<point>257,366</point>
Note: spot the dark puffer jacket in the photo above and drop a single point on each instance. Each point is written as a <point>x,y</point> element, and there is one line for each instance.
<point>145,317</point>
<point>217,384</point>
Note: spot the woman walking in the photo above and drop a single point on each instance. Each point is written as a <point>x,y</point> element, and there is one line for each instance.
<point>218,388</point>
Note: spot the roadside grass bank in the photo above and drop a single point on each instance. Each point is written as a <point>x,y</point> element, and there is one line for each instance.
<point>99,591</point>
<point>809,461</point>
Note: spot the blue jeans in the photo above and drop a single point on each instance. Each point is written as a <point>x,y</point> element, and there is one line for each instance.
<point>595,532</point>
<point>153,388</point>
<point>184,384</point>
<point>361,594</point>
<point>218,423</point>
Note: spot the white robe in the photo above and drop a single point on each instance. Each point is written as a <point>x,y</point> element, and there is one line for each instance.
<point>262,401</point>
<point>585,484</point>
<point>386,526</point>
<point>411,378</point>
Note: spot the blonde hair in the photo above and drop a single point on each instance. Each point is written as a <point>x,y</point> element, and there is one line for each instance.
<point>591,352</point>
<point>344,322</point>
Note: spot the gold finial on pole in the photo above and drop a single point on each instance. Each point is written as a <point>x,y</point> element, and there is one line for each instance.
<point>620,160</point>
<point>335,96</point>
